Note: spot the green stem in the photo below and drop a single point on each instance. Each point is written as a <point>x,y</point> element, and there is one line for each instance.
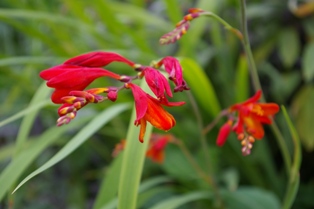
<point>223,22</point>
<point>257,86</point>
<point>294,179</point>
<point>200,127</point>
<point>200,172</point>
<point>205,148</point>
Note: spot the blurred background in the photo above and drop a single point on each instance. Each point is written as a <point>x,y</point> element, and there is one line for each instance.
<point>36,35</point>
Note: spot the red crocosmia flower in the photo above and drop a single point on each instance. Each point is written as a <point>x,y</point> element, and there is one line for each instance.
<point>98,59</point>
<point>174,69</point>
<point>248,118</point>
<point>157,82</point>
<point>67,78</point>
<point>251,116</point>
<point>224,133</point>
<point>149,109</point>
<point>157,145</point>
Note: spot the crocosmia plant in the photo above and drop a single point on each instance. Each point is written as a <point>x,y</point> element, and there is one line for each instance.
<point>156,104</point>
<point>71,78</point>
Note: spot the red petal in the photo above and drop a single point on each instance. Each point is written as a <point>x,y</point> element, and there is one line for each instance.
<point>174,69</point>
<point>158,116</point>
<point>97,59</point>
<point>140,99</point>
<point>254,98</point>
<point>81,76</point>
<point>269,108</point>
<point>165,102</point>
<point>157,82</point>
<point>55,71</point>
<point>224,133</point>
<point>142,130</point>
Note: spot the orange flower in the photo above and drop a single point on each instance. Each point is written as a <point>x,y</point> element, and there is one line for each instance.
<point>157,145</point>
<point>248,124</point>
<point>251,115</point>
<point>150,109</point>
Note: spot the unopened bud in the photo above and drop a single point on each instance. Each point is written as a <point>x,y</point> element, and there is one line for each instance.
<point>112,95</point>
<point>125,78</point>
<point>251,139</point>
<point>240,136</point>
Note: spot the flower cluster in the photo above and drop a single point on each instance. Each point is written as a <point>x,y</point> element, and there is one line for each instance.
<point>156,147</point>
<point>246,120</point>
<point>181,27</point>
<point>71,79</point>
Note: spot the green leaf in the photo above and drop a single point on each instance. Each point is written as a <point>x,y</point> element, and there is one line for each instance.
<point>22,60</point>
<point>250,197</point>
<point>176,202</point>
<point>79,138</point>
<point>42,93</point>
<point>133,162</point>
<point>294,179</point>
<point>21,162</point>
<point>24,112</point>
<point>177,165</point>
<point>110,183</point>
<point>302,110</point>
<point>201,86</point>
<point>308,62</point>
<point>289,46</point>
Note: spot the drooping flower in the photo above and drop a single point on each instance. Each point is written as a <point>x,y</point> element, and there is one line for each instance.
<point>66,78</point>
<point>248,118</point>
<point>173,68</point>
<point>252,115</point>
<point>149,109</point>
<point>157,145</point>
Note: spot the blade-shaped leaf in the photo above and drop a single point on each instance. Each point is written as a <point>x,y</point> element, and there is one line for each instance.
<point>79,138</point>
<point>200,86</point>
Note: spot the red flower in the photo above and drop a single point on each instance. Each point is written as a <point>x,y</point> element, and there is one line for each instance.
<point>150,109</point>
<point>157,145</point>
<point>252,115</point>
<point>174,69</point>
<point>66,78</point>
<point>157,82</point>
<point>97,59</point>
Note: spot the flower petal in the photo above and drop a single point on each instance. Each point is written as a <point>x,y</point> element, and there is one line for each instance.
<point>224,133</point>
<point>140,99</point>
<point>157,82</point>
<point>79,76</point>
<point>98,59</point>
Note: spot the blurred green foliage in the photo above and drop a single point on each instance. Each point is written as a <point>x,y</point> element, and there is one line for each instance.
<point>36,35</point>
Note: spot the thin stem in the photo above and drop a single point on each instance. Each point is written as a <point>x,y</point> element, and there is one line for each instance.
<point>205,148</point>
<point>257,86</point>
<point>194,164</point>
<point>210,126</point>
<point>223,22</point>
<point>200,127</point>
<point>200,172</point>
